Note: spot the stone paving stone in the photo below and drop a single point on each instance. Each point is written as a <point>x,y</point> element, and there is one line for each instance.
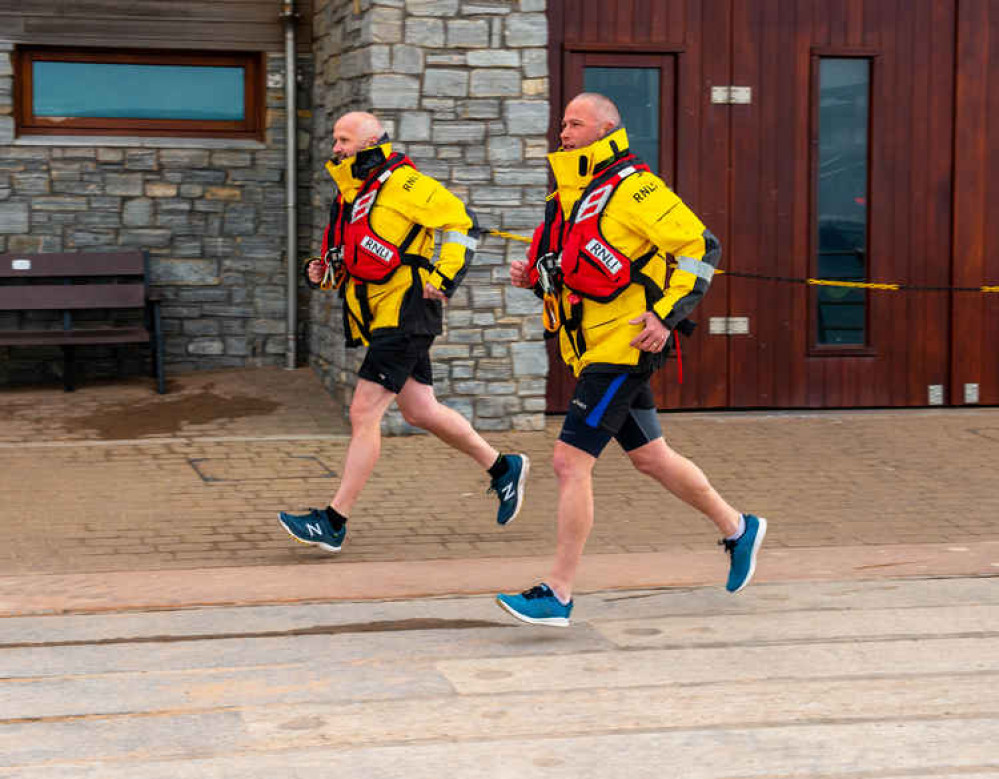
<point>105,479</point>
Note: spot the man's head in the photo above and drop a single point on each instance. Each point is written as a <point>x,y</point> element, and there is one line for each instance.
<point>588,118</point>
<point>353,132</point>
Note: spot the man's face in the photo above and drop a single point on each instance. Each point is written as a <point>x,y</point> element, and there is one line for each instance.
<point>347,140</point>
<point>581,125</point>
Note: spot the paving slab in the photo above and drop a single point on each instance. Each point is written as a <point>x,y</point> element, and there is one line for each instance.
<point>113,478</point>
<point>410,618</point>
<point>876,679</point>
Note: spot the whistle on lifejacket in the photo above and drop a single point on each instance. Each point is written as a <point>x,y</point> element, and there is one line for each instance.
<point>550,281</point>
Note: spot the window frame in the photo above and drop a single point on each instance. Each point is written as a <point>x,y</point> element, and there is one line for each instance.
<point>815,347</point>
<point>251,127</point>
<point>666,62</point>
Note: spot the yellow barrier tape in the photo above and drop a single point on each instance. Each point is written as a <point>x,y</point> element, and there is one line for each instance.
<point>852,284</point>
<point>812,282</point>
<point>510,236</point>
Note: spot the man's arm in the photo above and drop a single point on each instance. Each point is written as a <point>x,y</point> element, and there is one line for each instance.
<point>428,203</point>
<point>674,229</point>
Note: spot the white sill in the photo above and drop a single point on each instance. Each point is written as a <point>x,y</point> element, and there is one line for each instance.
<point>141,142</point>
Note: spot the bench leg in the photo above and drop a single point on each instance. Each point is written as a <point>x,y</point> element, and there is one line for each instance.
<point>156,347</point>
<point>119,361</point>
<point>68,355</point>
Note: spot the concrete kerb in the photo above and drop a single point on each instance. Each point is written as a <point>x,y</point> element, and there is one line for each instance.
<point>39,594</point>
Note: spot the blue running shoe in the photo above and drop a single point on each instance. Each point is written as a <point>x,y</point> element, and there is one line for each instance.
<point>538,606</point>
<point>313,528</point>
<point>509,487</point>
<point>743,552</point>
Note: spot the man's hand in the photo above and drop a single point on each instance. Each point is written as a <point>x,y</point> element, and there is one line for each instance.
<point>653,338</point>
<point>430,292</point>
<point>315,272</point>
<point>519,274</point>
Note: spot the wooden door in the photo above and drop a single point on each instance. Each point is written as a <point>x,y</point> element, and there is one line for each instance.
<point>975,328</point>
<point>841,165</point>
<point>841,168</point>
<point>656,59</point>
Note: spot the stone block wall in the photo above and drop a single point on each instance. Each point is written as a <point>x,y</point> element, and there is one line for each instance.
<point>211,214</point>
<point>462,86</point>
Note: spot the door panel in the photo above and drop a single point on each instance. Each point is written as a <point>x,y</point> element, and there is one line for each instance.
<point>779,47</point>
<point>976,236</point>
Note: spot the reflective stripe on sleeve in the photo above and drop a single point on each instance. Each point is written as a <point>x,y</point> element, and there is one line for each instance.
<point>700,269</point>
<point>462,239</point>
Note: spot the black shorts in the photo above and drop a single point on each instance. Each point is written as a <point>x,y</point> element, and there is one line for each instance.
<point>392,360</point>
<point>611,405</point>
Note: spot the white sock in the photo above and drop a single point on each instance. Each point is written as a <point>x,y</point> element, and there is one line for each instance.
<point>558,597</point>
<point>738,533</point>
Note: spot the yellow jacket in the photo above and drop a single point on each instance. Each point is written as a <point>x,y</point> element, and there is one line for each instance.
<point>407,199</point>
<point>642,214</point>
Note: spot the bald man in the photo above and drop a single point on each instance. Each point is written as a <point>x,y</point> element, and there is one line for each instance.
<point>609,231</point>
<point>381,241</point>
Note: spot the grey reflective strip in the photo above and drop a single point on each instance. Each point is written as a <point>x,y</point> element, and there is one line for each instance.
<point>453,236</point>
<point>384,177</point>
<point>625,172</point>
<point>700,269</point>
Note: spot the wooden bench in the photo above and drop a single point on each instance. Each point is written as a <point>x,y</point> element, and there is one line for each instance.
<point>67,283</point>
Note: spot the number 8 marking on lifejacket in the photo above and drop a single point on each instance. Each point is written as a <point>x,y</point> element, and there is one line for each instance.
<point>362,205</point>
<point>594,203</point>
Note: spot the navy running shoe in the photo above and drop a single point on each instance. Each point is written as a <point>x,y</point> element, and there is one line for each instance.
<point>742,552</point>
<point>509,487</point>
<point>313,528</point>
<point>537,606</point>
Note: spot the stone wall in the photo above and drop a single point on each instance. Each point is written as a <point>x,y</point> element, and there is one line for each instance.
<point>210,213</point>
<point>462,86</point>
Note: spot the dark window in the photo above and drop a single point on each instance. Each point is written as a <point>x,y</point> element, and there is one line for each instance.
<point>636,93</point>
<point>112,92</point>
<point>841,198</point>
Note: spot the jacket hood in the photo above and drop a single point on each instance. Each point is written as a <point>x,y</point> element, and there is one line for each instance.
<point>350,174</point>
<point>574,168</point>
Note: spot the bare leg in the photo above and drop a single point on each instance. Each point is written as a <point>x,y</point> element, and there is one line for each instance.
<point>574,469</point>
<point>420,407</point>
<point>685,480</point>
<point>367,408</point>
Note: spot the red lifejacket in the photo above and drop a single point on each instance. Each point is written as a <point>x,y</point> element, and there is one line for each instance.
<point>366,255</point>
<point>591,266</point>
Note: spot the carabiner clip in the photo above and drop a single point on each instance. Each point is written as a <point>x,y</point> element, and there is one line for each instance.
<point>550,281</point>
<point>334,272</point>
<point>550,317</point>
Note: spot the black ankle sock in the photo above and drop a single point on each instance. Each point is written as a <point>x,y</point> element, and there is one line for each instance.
<point>337,520</point>
<point>499,467</point>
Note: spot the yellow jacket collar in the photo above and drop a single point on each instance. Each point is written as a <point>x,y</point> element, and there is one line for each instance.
<point>350,174</point>
<point>573,169</point>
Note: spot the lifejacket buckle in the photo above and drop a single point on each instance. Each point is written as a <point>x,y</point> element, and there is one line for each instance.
<point>550,281</point>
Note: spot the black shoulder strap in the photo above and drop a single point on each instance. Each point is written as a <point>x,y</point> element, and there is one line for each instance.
<point>410,237</point>
<point>552,208</point>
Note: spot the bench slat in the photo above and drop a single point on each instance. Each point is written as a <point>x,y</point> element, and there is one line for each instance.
<point>106,335</point>
<point>14,265</point>
<point>52,297</point>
